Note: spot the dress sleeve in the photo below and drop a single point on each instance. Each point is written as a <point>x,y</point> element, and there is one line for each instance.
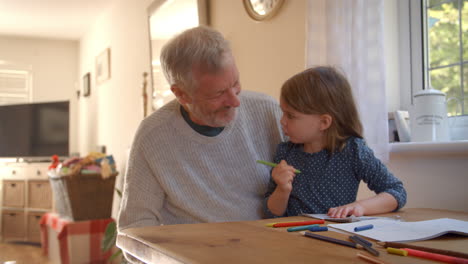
<point>378,178</point>
<point>279,155</point>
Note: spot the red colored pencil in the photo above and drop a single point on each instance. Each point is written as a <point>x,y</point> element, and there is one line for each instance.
<point>301,223</point>
<point>437,257</point>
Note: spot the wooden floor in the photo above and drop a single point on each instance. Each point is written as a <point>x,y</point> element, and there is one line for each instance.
<point>22,253</point>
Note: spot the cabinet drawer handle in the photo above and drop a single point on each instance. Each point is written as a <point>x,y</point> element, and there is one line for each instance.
<point>38,185</point>
<point>12,214</point>
<point>13,185</point>
<point>38,172</point>
<point>13,172</point>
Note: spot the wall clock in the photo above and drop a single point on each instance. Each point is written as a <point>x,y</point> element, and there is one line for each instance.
<point>262,9</point>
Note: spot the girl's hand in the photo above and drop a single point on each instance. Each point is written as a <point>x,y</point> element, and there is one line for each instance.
<point>283,175</point>
<point>346,210</point>
<point>380,203</point>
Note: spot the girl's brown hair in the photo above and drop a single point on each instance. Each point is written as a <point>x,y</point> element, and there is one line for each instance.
<point>324,90</point>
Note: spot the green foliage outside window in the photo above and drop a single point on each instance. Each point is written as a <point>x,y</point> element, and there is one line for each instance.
<point>447,23</point>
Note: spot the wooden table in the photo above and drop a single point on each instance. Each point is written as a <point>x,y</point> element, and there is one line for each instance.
<point>253,242</point>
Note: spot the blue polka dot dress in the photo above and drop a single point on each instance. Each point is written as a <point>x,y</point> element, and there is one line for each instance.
<point>329,181</point>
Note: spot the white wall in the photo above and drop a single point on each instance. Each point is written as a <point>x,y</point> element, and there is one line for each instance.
<point>433,181</point>
<point>55,66</point>
<point>111,115</point>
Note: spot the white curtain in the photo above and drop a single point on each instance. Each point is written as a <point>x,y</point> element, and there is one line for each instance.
<point>348,34</point>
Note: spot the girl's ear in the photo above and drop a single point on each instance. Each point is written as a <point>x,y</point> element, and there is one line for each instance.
<point>325,121</point>
<point>181,95</point>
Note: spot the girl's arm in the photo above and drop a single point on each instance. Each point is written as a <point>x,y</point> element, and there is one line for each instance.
<point>380,203</point>
<point>391,195</point>
<point>278,201</point>
<point>283,175</point>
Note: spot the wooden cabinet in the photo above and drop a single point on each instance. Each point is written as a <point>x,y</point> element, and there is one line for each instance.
<point>13,224</point>
<point>39,194</point>
<point>25,196</point>
<point>33,230</point>
<point>13,193</point>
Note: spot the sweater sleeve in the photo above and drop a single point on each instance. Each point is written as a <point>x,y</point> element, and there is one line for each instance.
<point>378,178</point>
<point>142,196</point>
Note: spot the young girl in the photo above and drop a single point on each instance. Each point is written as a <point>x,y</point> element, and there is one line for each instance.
<point>327,147</point>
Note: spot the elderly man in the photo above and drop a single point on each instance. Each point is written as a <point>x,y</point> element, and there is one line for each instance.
<point>194,159</point>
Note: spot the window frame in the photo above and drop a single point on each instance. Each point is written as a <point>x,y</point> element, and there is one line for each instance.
<point>411,61</point>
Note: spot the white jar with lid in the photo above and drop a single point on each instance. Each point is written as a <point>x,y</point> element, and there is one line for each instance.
<point>429,116</point>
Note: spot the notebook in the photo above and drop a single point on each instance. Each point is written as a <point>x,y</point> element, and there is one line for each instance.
<point>397,231</point>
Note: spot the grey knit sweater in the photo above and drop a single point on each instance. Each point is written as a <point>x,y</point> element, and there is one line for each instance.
<point>176,175</point>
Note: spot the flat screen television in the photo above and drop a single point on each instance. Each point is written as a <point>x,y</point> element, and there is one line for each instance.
<point>35,130</point>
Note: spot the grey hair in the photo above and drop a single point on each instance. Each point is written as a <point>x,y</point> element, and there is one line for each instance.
<point>201,47</point>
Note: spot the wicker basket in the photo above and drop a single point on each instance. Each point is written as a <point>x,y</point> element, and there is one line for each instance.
<point>84,196</point>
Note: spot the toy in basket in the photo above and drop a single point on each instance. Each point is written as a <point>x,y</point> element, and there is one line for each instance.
<point>84,188</point>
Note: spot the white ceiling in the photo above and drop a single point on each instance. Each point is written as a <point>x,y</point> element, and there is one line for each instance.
<point>60,19</point>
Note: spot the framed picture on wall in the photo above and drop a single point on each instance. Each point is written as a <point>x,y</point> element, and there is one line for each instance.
<point>103,71</point>
<point>87,84</point>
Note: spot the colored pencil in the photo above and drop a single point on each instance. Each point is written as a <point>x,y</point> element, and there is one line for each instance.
<point>427,249</point>
<point>434,256</point>
<point>362,240</point>
<point>318,228</point>
<point>300,228</point>
<point>271,164</point>
<point>301,223</point>
<point>397,251</point>
<point>271,224</point>
<point>366,246</point>
<point>332,240</point>
<point>362,228</point>
<point>370,259</point>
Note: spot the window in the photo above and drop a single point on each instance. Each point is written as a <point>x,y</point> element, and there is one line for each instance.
<point>14,86</point>
<point>15,82</point>
<point>445,38</point>
<point>434,50</point>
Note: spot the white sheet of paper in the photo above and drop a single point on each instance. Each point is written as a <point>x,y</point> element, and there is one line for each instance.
<point>349,219</point>
<point>396,231</point>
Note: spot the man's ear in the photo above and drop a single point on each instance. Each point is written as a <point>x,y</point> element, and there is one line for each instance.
<point>181,95</point>
<point>325,121</point>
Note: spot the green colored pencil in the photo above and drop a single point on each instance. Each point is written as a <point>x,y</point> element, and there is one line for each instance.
<point>301,228</point>
<point>271,164</point>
